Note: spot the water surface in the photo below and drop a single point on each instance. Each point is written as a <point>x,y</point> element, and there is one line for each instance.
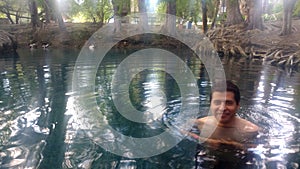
<point>38,128</point>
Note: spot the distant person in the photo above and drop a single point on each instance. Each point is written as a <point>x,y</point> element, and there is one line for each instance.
<point>224,126</point>
<point>180,26</point>
<point>189,24</point>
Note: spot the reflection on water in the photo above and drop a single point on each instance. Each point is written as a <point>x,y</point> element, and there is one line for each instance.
<point>32,94</point>
<point>38,127</point>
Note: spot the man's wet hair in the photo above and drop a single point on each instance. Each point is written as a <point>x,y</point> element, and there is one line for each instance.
<point>230,87</point>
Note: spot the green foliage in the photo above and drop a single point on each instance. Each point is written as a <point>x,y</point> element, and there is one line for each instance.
<point>296,11</point>
<point>272,17</point>
<point>210,8</point>
<point>183,8</point>
<point>102,10</point>
<point>189,9</point>
<point>186,9</point>
<point>162,7</point>
<point>274,12</point>
<point>197,11</point>
<point>122,5</point>
<point>75,8</point>
<point>91,11</point>
<point>278,7</point>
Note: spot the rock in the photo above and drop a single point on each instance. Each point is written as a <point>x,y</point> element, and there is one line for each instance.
<point>8,43</point>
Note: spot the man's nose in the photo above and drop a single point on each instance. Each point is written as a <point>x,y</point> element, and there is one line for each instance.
<point>222,106</point>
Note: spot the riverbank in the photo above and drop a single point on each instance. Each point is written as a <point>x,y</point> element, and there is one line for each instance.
<point>8,43</point>
<point>235,40</point>
<point>75,36</point>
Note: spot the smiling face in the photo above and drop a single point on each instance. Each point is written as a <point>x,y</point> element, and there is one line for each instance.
<point>224,106</point>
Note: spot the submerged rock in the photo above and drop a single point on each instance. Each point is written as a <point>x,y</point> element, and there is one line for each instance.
<point>8,43</point>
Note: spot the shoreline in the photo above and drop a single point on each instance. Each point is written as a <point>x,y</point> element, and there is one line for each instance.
<point>283,51</point>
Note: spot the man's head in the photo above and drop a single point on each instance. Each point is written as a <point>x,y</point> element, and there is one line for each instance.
<point>230,87</point>
<point>224,101</point>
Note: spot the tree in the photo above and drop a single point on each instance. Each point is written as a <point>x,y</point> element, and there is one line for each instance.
<point>215,14</point>
<point>121,8</point>
<point>33,14</point>
<point>14,8</point>
<point>144,18</point>
<point>142,6</point>
<point>253,11</point>
<point>5,8</point>
<point>96,10</point>
<point>58,16</point>
<point>171,19</point>
<point>233,12</point>
<point>288,6</point>
<point>195,10</point>
<point>297,9</point>
<point>185,8</point>
<point>47,8</point>
<point>204,16</point>
<point>104,11</point>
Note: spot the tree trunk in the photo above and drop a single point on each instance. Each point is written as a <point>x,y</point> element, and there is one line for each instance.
<point>216,11</point>
<point>34,14</point>
<point>94,19</point>
<point>117,16</point>
<point>233,13</point>
<point>288,6</point>
<point>255,14</point>
<point>171,7</point>
<point>142,6</point>
<point>144,16</point>
<point>17,17</point>
<point>61,23</point>
<point>102,17</point>
<point>171,19</point>
<point>265,7</point>
<point>47,11</point>
<point>204,16</point>
<point>121,8</point>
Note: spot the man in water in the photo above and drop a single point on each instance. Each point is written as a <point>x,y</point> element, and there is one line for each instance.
<point>224,133</point>
<point>223,126</point>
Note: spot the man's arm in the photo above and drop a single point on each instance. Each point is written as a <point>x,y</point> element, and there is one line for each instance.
<point>215,143</point>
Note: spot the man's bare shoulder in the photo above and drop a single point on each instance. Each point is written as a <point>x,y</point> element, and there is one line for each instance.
<point>247,126</point>
<point>206,120</point>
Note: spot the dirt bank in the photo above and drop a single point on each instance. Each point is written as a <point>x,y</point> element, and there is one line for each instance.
<point>235,40</point>
<point>74,37</point>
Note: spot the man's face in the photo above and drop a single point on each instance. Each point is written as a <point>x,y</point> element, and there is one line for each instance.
<point>223,106</point>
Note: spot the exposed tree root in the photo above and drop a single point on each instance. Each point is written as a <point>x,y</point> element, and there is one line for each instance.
<point>237,41</point>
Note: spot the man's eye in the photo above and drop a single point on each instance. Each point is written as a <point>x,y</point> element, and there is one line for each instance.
<point>217,102</point>
<point>229,103</point>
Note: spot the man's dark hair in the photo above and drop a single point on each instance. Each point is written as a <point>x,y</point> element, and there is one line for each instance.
<point>230,87</point>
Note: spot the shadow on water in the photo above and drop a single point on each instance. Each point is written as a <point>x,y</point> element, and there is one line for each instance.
<point>33,104</point>
<point>53,152</point>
